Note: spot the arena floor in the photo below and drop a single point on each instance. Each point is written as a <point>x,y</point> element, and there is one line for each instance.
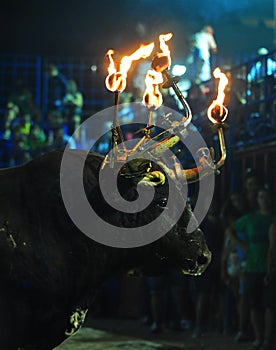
<point>125,334</point>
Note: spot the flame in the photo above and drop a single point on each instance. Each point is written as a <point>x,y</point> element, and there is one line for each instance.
<point>152,97</point>
<point>116,80</point>
<point>111,68</point>
<point>217,112</point>
<point>143,52</point>
<point>163,46</point>
<point>162,60</point>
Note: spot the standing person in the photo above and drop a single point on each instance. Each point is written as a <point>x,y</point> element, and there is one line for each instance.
<point>270,290</point>
<point>203,44</point>
<point>58,140</point>
<point>72,103</point>
<point>23,98</point>
<point>169,297</point>
<point>55,88</point>
<point>251,188</point>
<point>232,268</point>
<point>256,226</point>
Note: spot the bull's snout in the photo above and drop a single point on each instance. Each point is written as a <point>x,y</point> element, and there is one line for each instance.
<point>198,266</point>
<point>197,262</point>
<point>203,261</point>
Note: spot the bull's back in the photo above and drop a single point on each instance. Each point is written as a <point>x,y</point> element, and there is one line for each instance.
<point>43,256</point>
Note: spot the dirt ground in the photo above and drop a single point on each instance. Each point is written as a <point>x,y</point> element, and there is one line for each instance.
<point>129,334</point>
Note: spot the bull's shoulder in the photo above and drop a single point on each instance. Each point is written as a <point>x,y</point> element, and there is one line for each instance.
<point>30,195</point>
<point>35,229</point>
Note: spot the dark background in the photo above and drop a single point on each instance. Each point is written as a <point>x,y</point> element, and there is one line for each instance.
<point>90,28</point>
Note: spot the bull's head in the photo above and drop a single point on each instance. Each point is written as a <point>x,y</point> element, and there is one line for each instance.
<point>178,248</point>
<point>186,251</point>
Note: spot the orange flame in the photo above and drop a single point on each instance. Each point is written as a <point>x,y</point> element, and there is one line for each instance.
<point>116,80</point>
<point>217,113</point>
<point>152,97</point>
<point>162,60</point>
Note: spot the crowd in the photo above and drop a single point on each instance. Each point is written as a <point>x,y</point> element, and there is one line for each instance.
<point>25,133</point>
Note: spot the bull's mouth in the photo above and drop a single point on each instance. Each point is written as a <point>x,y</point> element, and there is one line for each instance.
<point>198,266</point>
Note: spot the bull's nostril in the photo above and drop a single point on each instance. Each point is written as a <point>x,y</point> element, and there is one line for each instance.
<point>202,260</point>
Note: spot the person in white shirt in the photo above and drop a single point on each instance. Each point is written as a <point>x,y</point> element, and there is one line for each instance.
<point>203,44</point>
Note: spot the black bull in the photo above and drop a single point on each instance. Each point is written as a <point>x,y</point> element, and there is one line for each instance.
<point>49,269</point>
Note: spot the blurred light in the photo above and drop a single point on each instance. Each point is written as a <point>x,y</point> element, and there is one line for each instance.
<point>93,68</point>
<point>262,51</point>
<point>178,69</point>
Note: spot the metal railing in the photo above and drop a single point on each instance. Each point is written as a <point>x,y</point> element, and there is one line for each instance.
<point>252,104</point>
<point>31,70</point>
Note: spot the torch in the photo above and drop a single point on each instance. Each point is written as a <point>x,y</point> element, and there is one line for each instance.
<point>116,82</point>
<point>161,63</point>
<point>217,113</point>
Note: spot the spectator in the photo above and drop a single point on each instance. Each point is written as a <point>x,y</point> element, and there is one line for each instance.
<point>20,147</point>
<point>203,43</point>
<point>56,88</point>
<point>54,119</point>
<point>72,105</point>
<point>256,226</point>
<point>58,139</point>
<point>232,269</point>
<point>170,288</point>
<point>9,120</point>
<point>37,140</point>
<point>251,187</point>
<point>23,99</point>
<point>270,290</point>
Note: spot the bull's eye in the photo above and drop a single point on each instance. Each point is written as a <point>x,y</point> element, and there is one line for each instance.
<point>162,202</point>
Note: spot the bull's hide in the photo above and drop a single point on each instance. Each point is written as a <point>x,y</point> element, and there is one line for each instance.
<point>49,269</point>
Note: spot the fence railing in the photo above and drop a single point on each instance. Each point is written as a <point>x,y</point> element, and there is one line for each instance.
<point>253,102</point>
<point>31,70</point>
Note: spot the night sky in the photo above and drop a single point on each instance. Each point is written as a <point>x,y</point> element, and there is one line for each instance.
<point>90,28</point>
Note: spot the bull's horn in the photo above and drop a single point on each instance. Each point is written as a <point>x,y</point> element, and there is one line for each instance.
<point>205,168</point>
<point>153,178</point>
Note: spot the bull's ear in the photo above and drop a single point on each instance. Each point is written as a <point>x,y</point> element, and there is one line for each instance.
<point>154,178</point>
